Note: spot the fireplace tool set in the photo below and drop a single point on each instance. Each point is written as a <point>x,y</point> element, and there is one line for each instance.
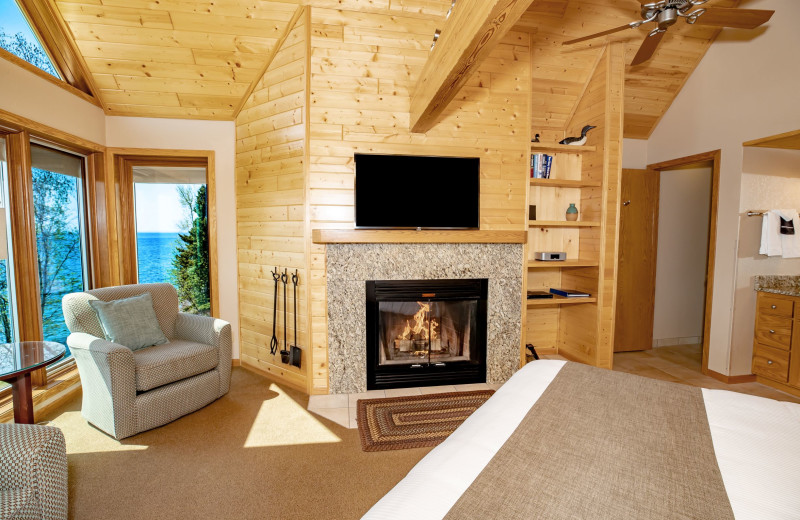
<point>290,354</point>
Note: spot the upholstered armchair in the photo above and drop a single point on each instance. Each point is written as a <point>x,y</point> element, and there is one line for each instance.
<point>129,391</point>
<point>33,472</point>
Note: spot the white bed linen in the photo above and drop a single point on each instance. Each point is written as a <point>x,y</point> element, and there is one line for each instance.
<point>757,442</point>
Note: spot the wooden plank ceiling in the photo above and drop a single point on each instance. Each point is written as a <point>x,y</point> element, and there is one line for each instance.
<point>197,59</point>
<point>175,58</point>
<point>560,73</point>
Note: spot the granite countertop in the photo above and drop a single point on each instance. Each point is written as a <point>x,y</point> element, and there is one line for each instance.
<point>778,284</point>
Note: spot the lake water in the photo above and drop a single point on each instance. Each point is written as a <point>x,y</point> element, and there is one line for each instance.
<point>156,251</point>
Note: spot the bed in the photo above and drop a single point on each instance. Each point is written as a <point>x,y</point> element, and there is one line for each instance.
<point>563,440</point>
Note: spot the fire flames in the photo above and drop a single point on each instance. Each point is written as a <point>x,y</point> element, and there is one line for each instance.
<point>421,324</point>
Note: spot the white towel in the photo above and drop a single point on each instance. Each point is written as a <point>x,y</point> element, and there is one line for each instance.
<point>770,234</point>
<point>790,244</point>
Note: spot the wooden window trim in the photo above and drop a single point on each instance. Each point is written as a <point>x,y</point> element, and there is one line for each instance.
<point>121,162</point>
<point>18,132</point>
<point>54,35</point>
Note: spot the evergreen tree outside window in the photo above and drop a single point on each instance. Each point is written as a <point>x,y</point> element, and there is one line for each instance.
<point>17,37</point>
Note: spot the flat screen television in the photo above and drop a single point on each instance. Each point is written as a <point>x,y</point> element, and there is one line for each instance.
<point>409,191</point>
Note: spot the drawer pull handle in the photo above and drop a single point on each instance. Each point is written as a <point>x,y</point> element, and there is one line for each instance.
<point>774,306</point>
<point>769,361</point>
<point>771,331</point>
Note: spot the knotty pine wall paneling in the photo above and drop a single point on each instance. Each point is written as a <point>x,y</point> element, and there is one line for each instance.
<point>363,69</point>
<point>586,331</point>
<point>271,206</point>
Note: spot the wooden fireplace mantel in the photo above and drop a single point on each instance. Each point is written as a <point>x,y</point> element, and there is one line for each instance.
<point>412,236</point>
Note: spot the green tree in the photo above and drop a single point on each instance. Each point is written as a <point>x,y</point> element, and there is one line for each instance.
<point>29,51</point>
<point>190,263</point>
<point>58,241</point>
<point>5,305</point>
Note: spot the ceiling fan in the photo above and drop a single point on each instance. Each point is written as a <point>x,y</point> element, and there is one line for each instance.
<point>665,13</point>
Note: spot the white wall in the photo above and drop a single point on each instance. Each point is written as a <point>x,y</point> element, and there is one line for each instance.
<point>746,87</point>
<point>25,94</point>
<point>684,208</point>
<point>185,134</point>
<point>770,180</point>
<point>634,154</point>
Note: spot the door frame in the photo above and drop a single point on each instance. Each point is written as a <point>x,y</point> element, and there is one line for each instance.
<point>715,157</point>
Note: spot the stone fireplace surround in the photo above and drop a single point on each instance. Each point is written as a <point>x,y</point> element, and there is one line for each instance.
<point>349,266</point>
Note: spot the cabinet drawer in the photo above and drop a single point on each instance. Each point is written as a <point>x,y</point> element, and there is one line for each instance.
<point>771,363</point>
<point>775,331</point>
<point>775,306</point>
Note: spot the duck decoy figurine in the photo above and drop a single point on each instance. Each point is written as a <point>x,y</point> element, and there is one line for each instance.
<point>578,141</point>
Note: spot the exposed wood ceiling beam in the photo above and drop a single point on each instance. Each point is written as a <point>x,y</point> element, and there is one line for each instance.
<point>469,35</point>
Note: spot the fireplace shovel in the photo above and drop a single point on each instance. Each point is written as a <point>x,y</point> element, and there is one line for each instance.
<point>285,351</point>
<point>295,353</point>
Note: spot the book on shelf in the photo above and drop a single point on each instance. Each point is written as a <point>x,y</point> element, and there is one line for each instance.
<point>569,293</point>
<point>541,163</point>
<point>536,295</point>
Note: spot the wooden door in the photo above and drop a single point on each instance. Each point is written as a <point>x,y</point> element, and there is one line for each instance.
<point>636,274</point>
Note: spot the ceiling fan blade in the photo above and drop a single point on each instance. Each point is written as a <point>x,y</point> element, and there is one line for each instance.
<point>597,35</point>
<point>738,18</point>
<point>648,47</point>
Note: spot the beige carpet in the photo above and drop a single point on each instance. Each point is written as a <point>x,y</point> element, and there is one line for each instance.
<point>255,453</point>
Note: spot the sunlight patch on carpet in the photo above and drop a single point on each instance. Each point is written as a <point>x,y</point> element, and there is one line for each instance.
<point>281,421</point>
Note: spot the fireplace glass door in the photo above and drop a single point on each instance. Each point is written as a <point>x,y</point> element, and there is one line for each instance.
<point>425,332</point>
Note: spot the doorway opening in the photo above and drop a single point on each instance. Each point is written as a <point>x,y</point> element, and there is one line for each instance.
<point>668,222</point>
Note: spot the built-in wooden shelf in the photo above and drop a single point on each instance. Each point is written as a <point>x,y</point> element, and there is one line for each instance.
<point>562,183</point>
<point>543,147</point>
<point>553,264</point>
<point>562,223</point>
<point>559,300</point>
<point>425,236</point>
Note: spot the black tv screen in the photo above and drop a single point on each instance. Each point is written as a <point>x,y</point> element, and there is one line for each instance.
<point>405,191</point>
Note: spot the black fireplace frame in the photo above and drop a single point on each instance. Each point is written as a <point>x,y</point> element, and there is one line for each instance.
<point>453,373</point>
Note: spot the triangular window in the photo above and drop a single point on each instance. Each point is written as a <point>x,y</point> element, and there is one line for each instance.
<point>17,37</point>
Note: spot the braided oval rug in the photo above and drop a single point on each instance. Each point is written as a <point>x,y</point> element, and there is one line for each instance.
<point>417,421</point>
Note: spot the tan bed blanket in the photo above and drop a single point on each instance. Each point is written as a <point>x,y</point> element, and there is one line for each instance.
<point>604,445</point>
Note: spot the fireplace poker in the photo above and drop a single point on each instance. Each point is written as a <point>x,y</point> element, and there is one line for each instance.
<point>285,351</point>
<point>273,343</point>
<point>295,351</point>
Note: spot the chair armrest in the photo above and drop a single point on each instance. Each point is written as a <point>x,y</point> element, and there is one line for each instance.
<point>83,341</point>
<point>210,331</point>
<point>108,378</point>
<point>35,457</point>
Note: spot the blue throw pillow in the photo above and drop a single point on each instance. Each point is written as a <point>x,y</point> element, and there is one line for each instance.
<point>130,322</point>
